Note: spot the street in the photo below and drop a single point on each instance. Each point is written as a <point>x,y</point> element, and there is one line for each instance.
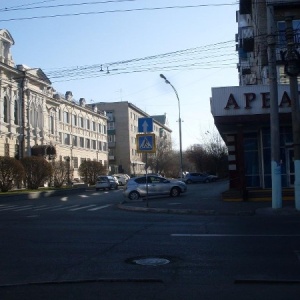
<point>83,247</point>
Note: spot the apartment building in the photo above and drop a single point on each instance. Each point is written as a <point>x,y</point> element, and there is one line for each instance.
<point>252,39</point>
<point>122,128</point>
<point>242,113</point>
<point>37,120</point>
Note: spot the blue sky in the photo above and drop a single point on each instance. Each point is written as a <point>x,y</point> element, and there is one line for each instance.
<point>135,41</point>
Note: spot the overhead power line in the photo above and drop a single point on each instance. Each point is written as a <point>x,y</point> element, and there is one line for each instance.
<point>115,11</point>
<point>218,55</point>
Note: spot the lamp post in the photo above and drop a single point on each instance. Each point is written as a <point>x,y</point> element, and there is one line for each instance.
<point>180,136</point>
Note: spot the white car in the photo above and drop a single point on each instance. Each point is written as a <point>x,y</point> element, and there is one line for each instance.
<point>122,178</point>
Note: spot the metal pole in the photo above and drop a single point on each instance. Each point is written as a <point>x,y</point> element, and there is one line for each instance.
<point>274,116</point>
<point>291,61</point>
<point>180,134</point>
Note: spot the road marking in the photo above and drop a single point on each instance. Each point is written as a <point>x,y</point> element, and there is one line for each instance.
<point>82,207</point>
<point>8,207</point>
<point>64,207</point>
<point>26,207</point>
<point>233,235</point>
<point>99,207</point>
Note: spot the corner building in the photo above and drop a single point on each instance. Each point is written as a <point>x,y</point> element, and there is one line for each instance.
<point>37,120</point>
<point>242,113</point>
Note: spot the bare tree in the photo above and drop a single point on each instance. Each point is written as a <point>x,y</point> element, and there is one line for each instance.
<point>60,173</point>
<point>89,170</point>
<point>11,173</point>
<point>37,171</point>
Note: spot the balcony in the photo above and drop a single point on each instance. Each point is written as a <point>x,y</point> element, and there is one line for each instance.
<point>111,157</point>
<point>111,144</point>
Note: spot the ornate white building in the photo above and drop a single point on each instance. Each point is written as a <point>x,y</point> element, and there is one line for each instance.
<point>36,120</point>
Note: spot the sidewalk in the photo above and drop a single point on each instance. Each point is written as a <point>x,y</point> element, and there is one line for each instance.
<point>201,205</point>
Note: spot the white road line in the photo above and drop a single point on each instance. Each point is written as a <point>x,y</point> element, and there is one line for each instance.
<point>82,207</point>
<point>64,207</point>
<point>8,207</point>
<point>99,207</point>
<point>233,235</point>
<point>42,207</point>
<point>27,207</point>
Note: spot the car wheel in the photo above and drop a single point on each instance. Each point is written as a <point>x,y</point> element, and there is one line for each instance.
<point>189,181</point>
<point>134,195</point>
<point>175,192</point>
<point>97,189</point>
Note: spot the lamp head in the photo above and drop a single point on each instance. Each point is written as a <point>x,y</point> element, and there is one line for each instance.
<point>164,77</point>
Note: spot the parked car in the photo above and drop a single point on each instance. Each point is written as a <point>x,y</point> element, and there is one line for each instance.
<point>136,187</point>
<point>106,182</point>
<point>212,178</point>
<point>122,178</point>
<point>196,177</point>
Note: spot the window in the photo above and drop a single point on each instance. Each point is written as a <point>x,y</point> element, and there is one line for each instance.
<point>111,125</point>
<point>74,120</point>
<point>111,138</point>
<point>66,117</point>
<point>104,146</point>
<point>51,124</point>
<point>75,162</point>
<point>81,142</point>
<point>100,146</point>
<point>93,126</point>
<point>87,124</point>
<point>94,144</point>
<point>104,129</point>
<point>67,139</point>
<point>5,109</point>
<point>74,140</point>
<point>81,122</point>
<point>16,113</point>
<point>88,143</point>
<point>100,128</point>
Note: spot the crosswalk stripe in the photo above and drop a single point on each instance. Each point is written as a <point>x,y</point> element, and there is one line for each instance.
<point>16,208</point>
<point>82,207</point>
<point>99,207</point>
<point>64,207</point>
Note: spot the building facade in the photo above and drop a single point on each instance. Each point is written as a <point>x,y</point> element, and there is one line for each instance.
<point>242,113</point>
<point>36,120</point>
<point>122,128</point>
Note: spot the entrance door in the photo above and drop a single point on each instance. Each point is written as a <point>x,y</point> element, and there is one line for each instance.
<point>290,167</point>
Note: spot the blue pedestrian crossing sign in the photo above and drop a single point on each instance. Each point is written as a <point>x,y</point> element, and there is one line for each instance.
<point>145,125</point>
<point>146,143</point>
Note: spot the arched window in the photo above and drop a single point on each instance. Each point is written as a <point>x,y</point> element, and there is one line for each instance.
<point>5,110</point>
<point>16,113</point>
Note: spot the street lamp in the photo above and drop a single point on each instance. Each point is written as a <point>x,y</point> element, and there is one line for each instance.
<point>180,137</point>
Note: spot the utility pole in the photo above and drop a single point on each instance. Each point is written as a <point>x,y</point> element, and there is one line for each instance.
<point>292,68</point>
<point>274,115</point>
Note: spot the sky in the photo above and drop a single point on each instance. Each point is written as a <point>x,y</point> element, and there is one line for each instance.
<point>108,51</point>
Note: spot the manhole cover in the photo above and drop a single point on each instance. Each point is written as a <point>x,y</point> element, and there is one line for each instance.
<point>151,261</point>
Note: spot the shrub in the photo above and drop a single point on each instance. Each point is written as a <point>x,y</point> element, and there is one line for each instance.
<point>37,170</point>
<point>11,173</point>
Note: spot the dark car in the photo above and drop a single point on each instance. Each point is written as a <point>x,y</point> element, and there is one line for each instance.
<point>196,178</point>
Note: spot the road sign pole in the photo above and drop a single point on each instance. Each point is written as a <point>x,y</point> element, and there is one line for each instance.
<point>147,204</point>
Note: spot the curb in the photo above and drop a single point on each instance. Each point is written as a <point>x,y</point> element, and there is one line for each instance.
<point>185,211</point>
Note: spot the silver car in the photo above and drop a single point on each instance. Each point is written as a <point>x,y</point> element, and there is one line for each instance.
<point>137,187</point>
<point>106,182</point>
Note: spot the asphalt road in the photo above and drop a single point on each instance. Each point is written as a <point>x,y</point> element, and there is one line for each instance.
<point>83,247</point>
